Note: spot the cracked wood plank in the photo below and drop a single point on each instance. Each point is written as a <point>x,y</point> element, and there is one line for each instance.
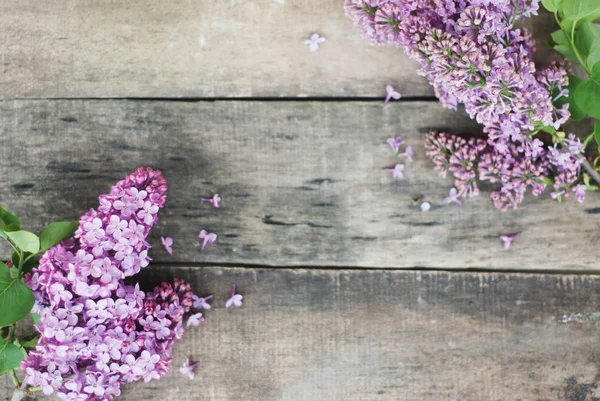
<point>192,48</point>
<point>323,335</point>
<point>303,184</point>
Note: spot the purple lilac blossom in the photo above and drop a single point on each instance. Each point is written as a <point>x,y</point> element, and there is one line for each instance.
<point>96,331</point>
<point>512,169</point>
<point>472,54</point>
<point>235,300</point>
<point>391,94</point>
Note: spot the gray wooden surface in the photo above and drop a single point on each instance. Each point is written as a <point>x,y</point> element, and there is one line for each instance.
<point>303,184</point>
<point>323,335</point>
<point>197,48</point>
<point>312,229</point>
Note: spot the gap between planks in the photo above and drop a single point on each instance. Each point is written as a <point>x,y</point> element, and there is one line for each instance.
<point>417,269</point>
<point>406,99</point>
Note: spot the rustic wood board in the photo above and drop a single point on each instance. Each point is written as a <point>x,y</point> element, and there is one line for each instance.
<point>303,183</point>
<point>197,48</point>
<point>323,335</point>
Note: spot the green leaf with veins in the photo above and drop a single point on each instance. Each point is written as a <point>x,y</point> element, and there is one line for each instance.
<point>576,112</point>
<point>30,344</point>
<point>577,12</point>
<point>28,264</point>
<point>552,5</point>
<point>11,356</point>
<point>566,51</point>
<point>587,94</point>
<point>8,222</point>
<point>25,240</point>
<point>16,299</point>
<point>36,318</point>
<point>55,232</point>
<point>587,42</point>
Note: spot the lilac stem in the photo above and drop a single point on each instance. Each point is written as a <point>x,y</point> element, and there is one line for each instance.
<point>21,394</point>
<point>591,171</point>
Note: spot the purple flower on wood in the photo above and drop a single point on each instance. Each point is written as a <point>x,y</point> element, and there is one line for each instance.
<point>167,243</point>
<point>188,369</point>
<point>207,238</point>
<point>195,320</point>
<point>397,171</point>
<point>408,154</point>
<point>235,300</point>
<point>395,143</point>
<point>215,200</point>
<point>314,41</point>
<point>508,239</point>
<point>580,192</point>
<point>391,94</point>
<point>453,196</point>
<point>201,303</point>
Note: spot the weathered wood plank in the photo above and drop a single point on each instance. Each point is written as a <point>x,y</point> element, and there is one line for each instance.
<point>302,183</point>
<point>386,335</point>
<point>195,48</point>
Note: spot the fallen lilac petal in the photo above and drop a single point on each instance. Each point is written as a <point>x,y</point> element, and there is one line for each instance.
<point>507,240</point>
<point>167,242</point>
<point>215,200</point>
<point>208,238</point>
<point>195,320</point>
<point>397,171</point>
<point>395,143</point>
<point>235,300</point>
<point>391,94</point>
<point>201,303</point>
<point>188,369</point>
<point>453,196</point>
<point>314,42</point>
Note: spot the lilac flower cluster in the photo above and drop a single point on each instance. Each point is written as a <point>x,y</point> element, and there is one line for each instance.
<point>515,169</point>
<point>471,53</point>
<point>96,331</point>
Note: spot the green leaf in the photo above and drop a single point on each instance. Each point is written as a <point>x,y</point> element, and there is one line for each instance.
<point>30,344</point>
<point>35,317</point>
<point>597,133</point>
<point>587,94</point>
<point>28,264</point>
<point>566,51</point>
<point>16,299</point>
<point>580,11</point>
<point>560,38</point>
<point>586,141</point>
<point>574,109</point>
<point>8,222</point>
<point>552,5</point>
<point>549,129</point>
<point>53,233</point>
<point>25,240</point>
<point>10,356</point>
<point>587,41</point>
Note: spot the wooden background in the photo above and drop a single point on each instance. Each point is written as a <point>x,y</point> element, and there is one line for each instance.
<point>351,292</point>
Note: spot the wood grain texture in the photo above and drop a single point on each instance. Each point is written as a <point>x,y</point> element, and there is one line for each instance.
<point>303,183</point>
<point>316,335</point>
<point>196,48</point>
